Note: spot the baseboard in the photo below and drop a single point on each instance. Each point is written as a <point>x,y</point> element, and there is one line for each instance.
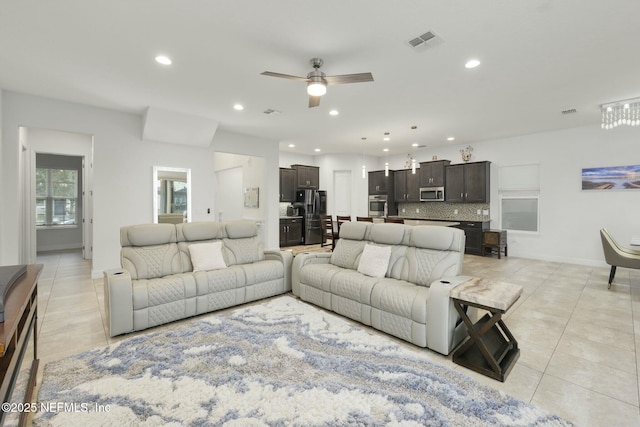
<point>59,247</point>
<point>565,260</point>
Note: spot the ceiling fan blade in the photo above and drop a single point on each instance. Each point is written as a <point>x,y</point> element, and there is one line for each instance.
<point>314,101</point>
<point>284,76</point>
<point>349,78</point>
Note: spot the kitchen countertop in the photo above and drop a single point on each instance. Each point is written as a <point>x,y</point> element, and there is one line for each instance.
<point>430,222</point>
<point>290,217</point>
<point>421,221</point>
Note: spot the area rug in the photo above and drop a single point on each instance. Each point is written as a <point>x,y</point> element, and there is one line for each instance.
<point>278,363</point>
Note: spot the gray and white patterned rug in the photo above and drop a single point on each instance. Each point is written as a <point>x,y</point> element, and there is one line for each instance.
<point>281,362</point>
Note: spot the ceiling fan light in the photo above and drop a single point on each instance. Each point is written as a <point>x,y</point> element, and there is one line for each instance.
<point>316,88</point>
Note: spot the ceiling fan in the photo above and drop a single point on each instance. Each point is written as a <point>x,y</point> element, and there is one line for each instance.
<point>317,81</point>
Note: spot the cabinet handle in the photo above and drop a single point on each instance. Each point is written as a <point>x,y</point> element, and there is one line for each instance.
<point>461,195</point>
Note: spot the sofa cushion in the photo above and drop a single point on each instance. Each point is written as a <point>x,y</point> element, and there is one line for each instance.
<point>437,237</point>
<point>374,260</point>
<point>147,235</point>
<point>423,266</point>
<point>354,230</point>
<point>353,285</point>
<point>150,262</point>
<point>346,254</point>
<point>240,229</point>
<point>207,256</point>
<point>319,276</point>
<point>243,250</point>
<point>197,231</point>
<point>390,234</point>
<point>162,291</point>
<point>262,271</point>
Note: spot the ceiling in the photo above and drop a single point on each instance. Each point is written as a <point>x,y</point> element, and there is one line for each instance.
<point>538,58</point>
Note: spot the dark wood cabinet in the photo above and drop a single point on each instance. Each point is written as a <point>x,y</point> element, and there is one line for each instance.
<point>307,177</point>
<point>380,184</point>
<point>407,186</point>
<point>287,185</point>
<point>473,231</point>
<point>431,174</point>
<point>290,231</point>
<point>468,182</point>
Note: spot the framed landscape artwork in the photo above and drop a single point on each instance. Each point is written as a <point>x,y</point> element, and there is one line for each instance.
<point>611,178</point>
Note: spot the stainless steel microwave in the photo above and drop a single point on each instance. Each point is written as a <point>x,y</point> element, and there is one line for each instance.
<point>432,194</point>
<point>377,206</point>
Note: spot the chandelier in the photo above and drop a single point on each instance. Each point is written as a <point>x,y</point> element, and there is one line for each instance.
<point>621,113</point>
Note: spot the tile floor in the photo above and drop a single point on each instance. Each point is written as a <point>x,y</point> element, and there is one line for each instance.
<point>578,340</point>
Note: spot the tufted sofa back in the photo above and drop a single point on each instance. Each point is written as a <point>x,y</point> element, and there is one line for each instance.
<point>149,250</point>
<point>419,254</point>
<point>156,250</point>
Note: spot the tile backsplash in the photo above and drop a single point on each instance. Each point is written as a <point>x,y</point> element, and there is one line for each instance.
<point>443,210</point>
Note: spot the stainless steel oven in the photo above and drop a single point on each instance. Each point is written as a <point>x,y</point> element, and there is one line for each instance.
<point>432,194</point>
<point>377,206</point>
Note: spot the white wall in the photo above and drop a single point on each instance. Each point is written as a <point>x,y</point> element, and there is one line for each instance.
<point>252,177</point>
<point>286,159</point>
<point>123,166</point>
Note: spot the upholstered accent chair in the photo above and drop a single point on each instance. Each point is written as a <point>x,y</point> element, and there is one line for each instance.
<point>617,256</point>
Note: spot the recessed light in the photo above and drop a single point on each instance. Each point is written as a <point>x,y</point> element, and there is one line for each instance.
<point>415,144</point>
<point>292,145</point>
<point>164,60</point>
<point>334,112</point>
<point>238,107</point>
<point>451,138</point>
<point>472,63</point>
<point>317,150</point>
<point>386,138</point>
<point>385,149</point>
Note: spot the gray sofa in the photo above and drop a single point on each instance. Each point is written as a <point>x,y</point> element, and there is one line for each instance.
<point>157,283</point>
<point>411,301</point>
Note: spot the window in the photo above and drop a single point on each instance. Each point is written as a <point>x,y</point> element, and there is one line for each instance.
<point>56,197</point>
<point>519,213</point>
<point>519,188</point>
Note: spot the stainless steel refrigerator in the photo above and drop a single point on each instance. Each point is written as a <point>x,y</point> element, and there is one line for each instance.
<point>311,204</point>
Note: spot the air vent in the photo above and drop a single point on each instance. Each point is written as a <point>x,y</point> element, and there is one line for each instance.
<point>270,111</point>
<point>571,111</point>
<point>428,39</point>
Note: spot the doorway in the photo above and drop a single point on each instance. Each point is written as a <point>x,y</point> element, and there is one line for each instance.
<point>58,208</point>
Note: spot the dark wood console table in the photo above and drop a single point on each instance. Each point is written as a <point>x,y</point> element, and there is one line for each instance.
<point>491,349</point>
<point>20,324</point>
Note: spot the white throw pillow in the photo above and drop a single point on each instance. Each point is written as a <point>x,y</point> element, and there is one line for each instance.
<point>207,256</point>
<point>374,260</point>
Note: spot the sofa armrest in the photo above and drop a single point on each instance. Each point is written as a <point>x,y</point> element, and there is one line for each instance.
<point>300,261</point>
<point>286,257</point>
<point>443,331</point>
<point>118,301</point>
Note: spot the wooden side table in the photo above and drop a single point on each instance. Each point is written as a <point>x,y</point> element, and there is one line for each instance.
<point>491,348</point>
<point>19,326</point>
<point>494,239</point>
